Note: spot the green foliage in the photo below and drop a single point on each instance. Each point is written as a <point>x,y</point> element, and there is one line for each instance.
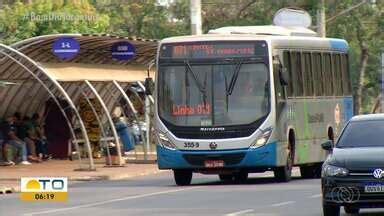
<point>20,21</point>
<point>139,18</point>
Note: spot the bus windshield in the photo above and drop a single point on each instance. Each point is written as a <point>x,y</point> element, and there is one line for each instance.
<point>220,94</point>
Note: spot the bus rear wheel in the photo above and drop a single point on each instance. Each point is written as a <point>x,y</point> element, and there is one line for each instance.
<point>182,177</point>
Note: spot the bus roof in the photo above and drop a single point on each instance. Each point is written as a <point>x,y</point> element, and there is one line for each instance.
<point>277,36</point>
<point>276,41</point>
<point>265,30</point>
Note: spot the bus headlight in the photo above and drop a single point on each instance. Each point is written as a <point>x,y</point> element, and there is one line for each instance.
<point>165,141</point>
<point>329,170</point>
<point>262,139</point>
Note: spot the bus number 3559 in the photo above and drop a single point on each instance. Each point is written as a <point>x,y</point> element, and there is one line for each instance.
<point>191,145</point>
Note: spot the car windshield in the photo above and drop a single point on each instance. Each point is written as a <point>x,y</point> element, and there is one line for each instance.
<point>362,134</point>
<point>223,94</point>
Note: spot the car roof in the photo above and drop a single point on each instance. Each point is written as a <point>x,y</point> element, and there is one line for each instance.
<point>368,117</point>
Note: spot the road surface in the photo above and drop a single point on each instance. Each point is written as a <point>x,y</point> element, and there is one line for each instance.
<point>157,195</point>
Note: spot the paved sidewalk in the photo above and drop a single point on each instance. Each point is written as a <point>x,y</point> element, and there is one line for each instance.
<point>10,175</point>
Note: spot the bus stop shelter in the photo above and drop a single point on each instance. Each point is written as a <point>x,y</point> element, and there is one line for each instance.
<point>33,78</point>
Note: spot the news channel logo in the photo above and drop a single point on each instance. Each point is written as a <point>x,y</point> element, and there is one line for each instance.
<point>44,189</point>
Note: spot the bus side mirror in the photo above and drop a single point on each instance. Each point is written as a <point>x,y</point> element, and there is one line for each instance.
<point>283,76</point>
<point>328,145</point>
<point>148,84</point>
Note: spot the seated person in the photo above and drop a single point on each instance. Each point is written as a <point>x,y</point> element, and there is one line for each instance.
<point>35,132</point>
<point>22,128</point>
<point>9,131</point>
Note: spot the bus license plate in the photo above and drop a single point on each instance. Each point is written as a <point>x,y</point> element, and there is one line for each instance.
<point>374,189</point>
<point>213,163</point>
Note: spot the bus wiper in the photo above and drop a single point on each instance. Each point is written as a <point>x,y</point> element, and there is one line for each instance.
<point>234,79</point>
<point>198,84</point>
<point>226,92</point>
<point>187,98</point>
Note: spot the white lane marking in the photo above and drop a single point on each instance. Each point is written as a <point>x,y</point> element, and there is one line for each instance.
<point>240,212</point>
<point>111,201</point>
<point>282,204</point>
<point>315,196</point>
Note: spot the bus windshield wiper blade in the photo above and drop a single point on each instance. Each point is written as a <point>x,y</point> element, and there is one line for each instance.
<point>197,81</point>
<point>234,78</point>
<point>201,88</point>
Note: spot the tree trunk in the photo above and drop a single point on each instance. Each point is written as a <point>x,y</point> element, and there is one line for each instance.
<point>363,67</point>
<point>377,105</point>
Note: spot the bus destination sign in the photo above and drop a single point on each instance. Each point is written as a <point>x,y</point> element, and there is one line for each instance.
<point>213,50</point>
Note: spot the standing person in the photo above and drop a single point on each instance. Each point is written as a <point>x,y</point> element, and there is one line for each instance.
<point>9,131</point>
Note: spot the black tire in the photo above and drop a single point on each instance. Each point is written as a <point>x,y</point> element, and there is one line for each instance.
<point>311,172</point>
<point>284,174</point>
<point>351,210</point>
<point>241,177</point>
<point>182,177</point>
<point>331,210</point>
<point>226,177</point>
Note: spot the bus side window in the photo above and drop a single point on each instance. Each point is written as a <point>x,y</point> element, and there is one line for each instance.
<point>307,73</point>
<point>337,74</point>
<point>346,77</point>
<point>329,80</point>
<point>318,75</point>
<point>297,73</point>
<point>287,67</point>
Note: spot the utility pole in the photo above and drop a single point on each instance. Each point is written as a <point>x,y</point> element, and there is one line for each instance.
<point>195,17</point>
<point>321,25</point>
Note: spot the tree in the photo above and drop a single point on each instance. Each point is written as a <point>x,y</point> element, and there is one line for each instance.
<point>363,29</point>
<point>140,18</point>
<point>19,21</point>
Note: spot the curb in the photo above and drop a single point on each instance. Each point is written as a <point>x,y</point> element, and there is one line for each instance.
<point>114,177</point>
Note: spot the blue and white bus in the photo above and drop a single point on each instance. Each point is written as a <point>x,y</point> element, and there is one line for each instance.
<point>240,100</point>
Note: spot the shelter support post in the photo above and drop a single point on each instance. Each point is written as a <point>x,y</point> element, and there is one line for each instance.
<point>148,125</point>
<point>108,115</point>
<point>98,119</point>
<point>148,101</point>
<point>134,111</point>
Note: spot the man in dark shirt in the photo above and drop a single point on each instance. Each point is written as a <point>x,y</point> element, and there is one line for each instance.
<point>9,132</point>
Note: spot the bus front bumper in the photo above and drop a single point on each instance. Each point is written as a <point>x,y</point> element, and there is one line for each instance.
<point>262,157</point>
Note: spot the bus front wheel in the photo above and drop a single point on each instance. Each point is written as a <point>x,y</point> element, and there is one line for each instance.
<point>182,177</point>
<point>284,174</point>
<point>241,177</point>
